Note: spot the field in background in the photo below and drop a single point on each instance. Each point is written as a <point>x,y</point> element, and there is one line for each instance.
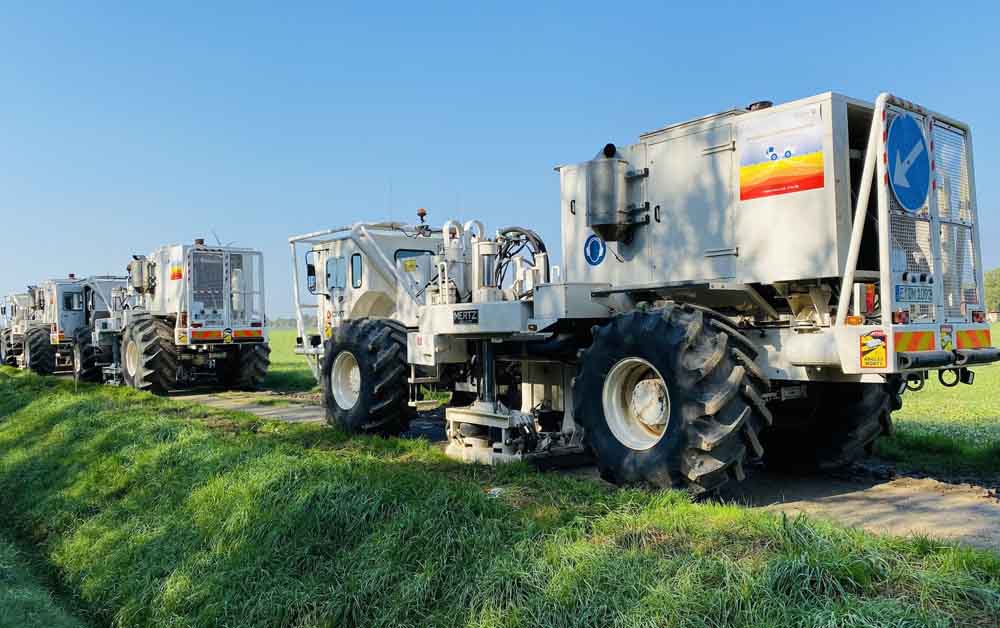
<point>955,430</point>
<point>288,372</point>
<point>156,512</point>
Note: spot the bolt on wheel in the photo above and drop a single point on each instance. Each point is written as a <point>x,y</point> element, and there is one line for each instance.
<point>636,403</point>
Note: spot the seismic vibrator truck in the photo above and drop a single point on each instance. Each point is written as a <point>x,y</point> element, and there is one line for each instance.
<point>185,314</point>
<point>758,284</point>
<point>15,312</point>
<point>56,311</point>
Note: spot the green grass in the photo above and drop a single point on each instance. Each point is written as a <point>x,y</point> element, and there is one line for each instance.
<point>289,372</point>
<point>952,430</point>
<point>159,513</point>
<point>25,599</point>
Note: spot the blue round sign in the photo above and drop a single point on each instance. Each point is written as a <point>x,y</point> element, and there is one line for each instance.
<point>594,250</point>
<point>909,162</point>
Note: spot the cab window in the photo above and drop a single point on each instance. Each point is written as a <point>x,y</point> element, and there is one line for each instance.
<point>336,273</point>
<point>72,302</point>
<point>407,253</point>
<point>356,270</point>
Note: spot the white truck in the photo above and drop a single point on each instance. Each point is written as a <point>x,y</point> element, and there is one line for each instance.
<point>185,314</point>
<point>191,313</point>
<point>15,311</point>
<point>715,303</point>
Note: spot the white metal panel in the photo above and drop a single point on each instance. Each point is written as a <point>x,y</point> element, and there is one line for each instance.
<point>691,182</point>
<point>787,229</point>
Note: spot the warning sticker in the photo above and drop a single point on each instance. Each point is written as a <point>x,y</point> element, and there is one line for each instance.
<point>874,350</point>
<point>947,338</point>
<point>409,265</point>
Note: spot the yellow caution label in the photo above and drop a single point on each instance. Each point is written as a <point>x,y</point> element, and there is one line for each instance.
<point>227,336</point>
<point>874,351</point>
<point>410,265</point>
<point>947,338</point>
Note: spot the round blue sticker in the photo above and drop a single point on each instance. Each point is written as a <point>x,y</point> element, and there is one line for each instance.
<point>909,162</point>
<point>594,250</point>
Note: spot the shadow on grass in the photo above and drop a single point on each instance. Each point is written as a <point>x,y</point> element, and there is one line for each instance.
<point>155,519</point>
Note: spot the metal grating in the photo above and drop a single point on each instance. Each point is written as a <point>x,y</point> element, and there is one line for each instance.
<point>911,243</point>
<point>208,286</point>
<point>910,233</point>
<point>952,173</point>
<point>958,273</point>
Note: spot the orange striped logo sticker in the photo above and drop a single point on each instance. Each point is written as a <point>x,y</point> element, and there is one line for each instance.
<point>206,335</point>
<point>910,341</point>
<point>247,333</point>
<point>973,339</point>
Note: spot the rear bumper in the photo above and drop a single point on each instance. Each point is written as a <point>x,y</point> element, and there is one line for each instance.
<point>910,360</point>
<point>220,337</point>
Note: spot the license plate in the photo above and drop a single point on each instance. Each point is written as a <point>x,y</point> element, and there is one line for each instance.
<point>466,317</point>
<point>914,294</point>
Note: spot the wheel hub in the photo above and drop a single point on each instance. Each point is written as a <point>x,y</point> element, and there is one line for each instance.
<point>649,402</point>
<point>131,358</point>
<point>345,380</point>
<point>636,403</point>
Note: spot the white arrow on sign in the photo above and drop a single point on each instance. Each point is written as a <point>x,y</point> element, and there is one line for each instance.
<point>903,166</point>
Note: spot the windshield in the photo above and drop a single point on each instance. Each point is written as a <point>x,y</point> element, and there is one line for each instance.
<point>208,289</point>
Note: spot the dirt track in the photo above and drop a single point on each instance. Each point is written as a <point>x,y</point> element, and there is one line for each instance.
<point>903,505</point>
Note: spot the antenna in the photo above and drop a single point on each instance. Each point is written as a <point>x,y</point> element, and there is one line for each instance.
<point>218,240</point>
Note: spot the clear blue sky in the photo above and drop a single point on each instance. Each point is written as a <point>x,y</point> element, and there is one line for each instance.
<point>130,125</point>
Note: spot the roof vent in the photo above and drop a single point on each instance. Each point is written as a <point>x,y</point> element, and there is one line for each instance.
<point>760,104</point>
<point>199,242</point>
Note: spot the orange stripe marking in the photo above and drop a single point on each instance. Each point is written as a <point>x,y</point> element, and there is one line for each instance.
<point>914,341</point>
<point>973,339</point>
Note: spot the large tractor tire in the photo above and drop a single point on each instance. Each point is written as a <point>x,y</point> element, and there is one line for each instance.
<point>365,387</point>
<point>7,357</point>
<point>671,397</point>
<point>149,355</point>
<point>833,426</point>
<point>86,367</point>
<point>13,348</point>
<point>246,367</point>
<point>39,354</point>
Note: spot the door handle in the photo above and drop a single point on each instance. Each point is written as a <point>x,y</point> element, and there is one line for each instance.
<point>656,213</point>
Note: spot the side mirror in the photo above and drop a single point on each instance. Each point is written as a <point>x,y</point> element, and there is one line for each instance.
<point>311,278</point>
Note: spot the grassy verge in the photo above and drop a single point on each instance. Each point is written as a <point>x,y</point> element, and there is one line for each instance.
<point>952,430</point>
<point>159,513</point>
<point>289,372</point>
<point>25,601</point>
